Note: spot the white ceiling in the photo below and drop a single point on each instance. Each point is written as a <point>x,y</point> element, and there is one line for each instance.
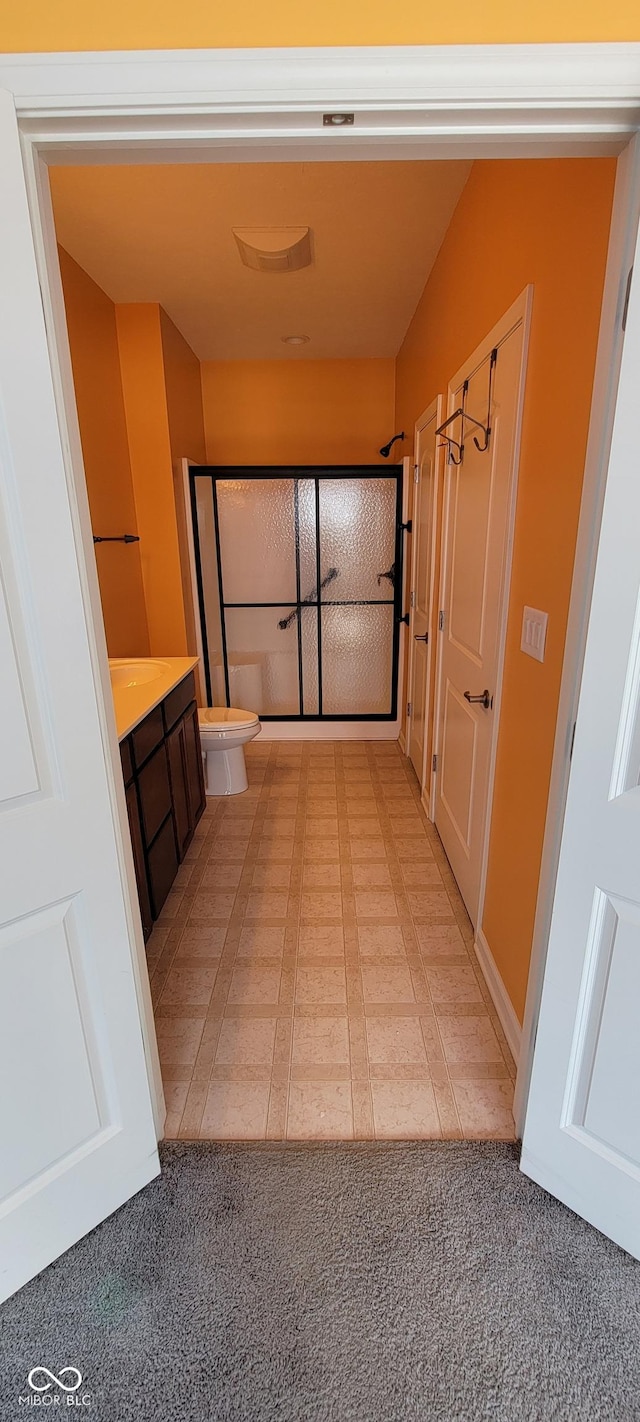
<point>164,234</point>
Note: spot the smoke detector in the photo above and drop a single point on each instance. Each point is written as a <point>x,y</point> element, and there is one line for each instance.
<point>274,249</point>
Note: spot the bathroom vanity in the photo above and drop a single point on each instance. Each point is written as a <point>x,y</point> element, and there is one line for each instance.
<point>157,721</point>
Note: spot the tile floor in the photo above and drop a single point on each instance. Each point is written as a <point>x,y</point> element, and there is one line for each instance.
<point>313,973</point>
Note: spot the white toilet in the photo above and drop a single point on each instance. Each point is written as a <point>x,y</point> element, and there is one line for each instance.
<point>224,730</point>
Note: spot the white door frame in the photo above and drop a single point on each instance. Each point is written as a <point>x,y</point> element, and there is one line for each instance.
<point>519,313</point>
<point>432,413</point>
<point>447,101</point>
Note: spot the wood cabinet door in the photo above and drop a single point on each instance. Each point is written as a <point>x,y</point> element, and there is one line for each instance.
<point>133,811</point>
<point>176,750</point>
<point>195,770</point>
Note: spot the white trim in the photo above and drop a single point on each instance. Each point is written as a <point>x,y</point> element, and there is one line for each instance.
<point>264,105</point>
<point>519,312</point>
<point>425,801</point>
<point>330,730</point>
<point>622,240</point>
<point>499,995</point>
<point>402,741</point>
<point>433,412</point>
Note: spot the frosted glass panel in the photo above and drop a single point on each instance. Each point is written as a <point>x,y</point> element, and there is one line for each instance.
<point>309,625</point>
<point>357,537</point>
<point>263,659</point>
<point>257,539</point>
<point>356,660</point>
<point>307,537</point>
<point>209,573</point>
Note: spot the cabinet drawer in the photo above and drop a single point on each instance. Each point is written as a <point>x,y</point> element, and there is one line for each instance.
<point>162,861</point>
<point>126,760</point>
<point>177,701</point>
<point>154,788</point>
<point>147,736</point>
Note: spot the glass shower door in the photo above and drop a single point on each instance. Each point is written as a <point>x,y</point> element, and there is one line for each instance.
<point>299,582</point>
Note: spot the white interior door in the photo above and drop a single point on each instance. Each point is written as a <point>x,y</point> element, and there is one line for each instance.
<point>582,1128</point>
<point>475,563</point>
<point>76,1121</point>
<point>422,587</point>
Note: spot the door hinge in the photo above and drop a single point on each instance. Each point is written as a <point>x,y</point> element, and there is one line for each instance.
<point>416,473</point>
<point>408,708</point>
<point>627,294</point>
<point>573,736</point>
<point>434,762</point>
<point>440,621</point>
<point>412,599</point>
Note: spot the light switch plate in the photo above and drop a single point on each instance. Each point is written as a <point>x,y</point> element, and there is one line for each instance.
<point>534,633</point>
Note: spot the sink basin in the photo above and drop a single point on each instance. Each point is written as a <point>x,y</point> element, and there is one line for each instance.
<point>126,671</point>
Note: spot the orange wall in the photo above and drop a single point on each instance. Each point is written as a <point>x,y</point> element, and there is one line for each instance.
<point>183,394</point>
<point>145,403</point>
<point>91,323</point>
<point>297,411</point>
<point>147,24</point>
<point>519,222</point>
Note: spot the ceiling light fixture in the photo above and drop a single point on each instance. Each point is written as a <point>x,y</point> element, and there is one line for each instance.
<point>274,249</point>
<point>295,340</point>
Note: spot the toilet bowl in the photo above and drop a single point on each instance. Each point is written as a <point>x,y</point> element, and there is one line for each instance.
<point>224,730</point>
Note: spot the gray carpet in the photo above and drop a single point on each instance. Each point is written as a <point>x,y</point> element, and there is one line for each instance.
<point>370,1283</point>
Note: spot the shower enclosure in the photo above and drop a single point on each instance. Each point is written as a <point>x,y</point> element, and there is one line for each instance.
<point>299,574</point>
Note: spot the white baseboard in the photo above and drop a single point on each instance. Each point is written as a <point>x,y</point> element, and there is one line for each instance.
<point>330,731</point>
<point>402,742</point>
<point>501,1000</point>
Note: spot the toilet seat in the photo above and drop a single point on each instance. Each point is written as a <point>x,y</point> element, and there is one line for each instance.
<point>225,718</point>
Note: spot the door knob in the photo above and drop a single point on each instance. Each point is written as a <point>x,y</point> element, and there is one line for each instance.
<point>424,638</point>
<point>485,700</point>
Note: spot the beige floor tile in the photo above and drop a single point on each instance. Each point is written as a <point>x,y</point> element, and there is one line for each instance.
<point>261,942</point>
<point>374,903</point>
<point>395,1040</point>
<point>453,984</point>
<point>267,903</point>
<point>191,985</point>
<point>221,876</point>
<point>485,1108</point>
<point>321,1041</point>
<point>202,941</point>
<point>271,876</point>
<point>319,985</point>
<point>316,904</point>
<point>388,984</point>
<point>212,906</point>
<point>428,905</point>
<point>236,1110</point>
<point>246,1042</point>
<point>324,828</point>
<point>321,876</point>
<point>381,940</point>
<point>321,942</point>
<point>255,984</point>
<point>320,1110</point>
<point>469,1039</point>
<point>275,848</point>
<point>321,849</point>
<point>437,940</point>
<point>228,849</point>
<point>405,1110</point>
<point>372,875</point>
<point>368,849</point>
<point>178,1039</point>
<point>424,876</point>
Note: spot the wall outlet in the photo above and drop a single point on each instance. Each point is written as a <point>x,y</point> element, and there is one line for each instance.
<point>534,633</point>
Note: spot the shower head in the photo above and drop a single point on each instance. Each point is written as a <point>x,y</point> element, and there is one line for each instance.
<point>386,448</point>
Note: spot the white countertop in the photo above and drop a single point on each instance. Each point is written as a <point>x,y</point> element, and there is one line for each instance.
<point>133,703</point>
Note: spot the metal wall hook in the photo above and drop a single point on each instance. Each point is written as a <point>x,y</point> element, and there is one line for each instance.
<point>461,414</point>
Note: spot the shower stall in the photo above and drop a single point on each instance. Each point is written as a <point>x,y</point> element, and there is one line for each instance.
<point>299,579</point>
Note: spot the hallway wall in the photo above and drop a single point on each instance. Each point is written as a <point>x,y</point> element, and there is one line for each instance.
<point>521,222</point>
<point>158,24</point>
<point>297,411</point>
<point>91,323</point>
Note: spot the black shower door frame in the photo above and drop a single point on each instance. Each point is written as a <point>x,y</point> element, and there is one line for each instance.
<point>315,472</point>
